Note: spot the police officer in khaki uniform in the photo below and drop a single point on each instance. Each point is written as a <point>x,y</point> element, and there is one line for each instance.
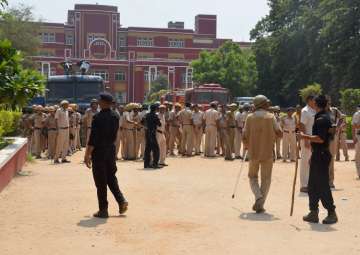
<point>276,111</point>
<point>197,118</point>
<point>175,134</point>
<point>120,133</point>
<point>223,129</point>
<point>211,117</point>
<point>288,124</point>
<point>341,142</point>
<point>62,124</point>
<point>186,121</point>
<point>87,119</point>
<point>72,129</point>
<point>77,127</point>
<point>356,138</point>
<point>50,124</point>
<point>129,133</point>
<point>160,135</point>
<point>232,126</point>
<point>38,124</point>
<point>261,130</point>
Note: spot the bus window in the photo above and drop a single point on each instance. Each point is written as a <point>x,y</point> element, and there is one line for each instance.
<point>203,97</point>
<point>222,98</point>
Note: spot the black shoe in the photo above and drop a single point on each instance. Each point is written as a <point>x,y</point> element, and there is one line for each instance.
<point>157,166</point>
<point>123,207</point>
<point>38,157</point>
<point>332,186</point>
<point>304,190</point>
<point>56,161</point>
<point>101,214</point>
<point>312,217</point>
<point>238,157</point>
<point>331,218</point>
<point>65,161</point>
<point>258,207</point>
<point>163,164</point>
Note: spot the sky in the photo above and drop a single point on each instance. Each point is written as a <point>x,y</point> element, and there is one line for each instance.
<point>236,18</point>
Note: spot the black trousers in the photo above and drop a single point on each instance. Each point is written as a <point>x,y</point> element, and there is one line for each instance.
<point>151,146</point>
<point>104,170</point>
<point>318,187</point>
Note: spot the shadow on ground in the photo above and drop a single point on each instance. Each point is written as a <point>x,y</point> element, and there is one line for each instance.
<point>91,222</point>
<point>258,217</point>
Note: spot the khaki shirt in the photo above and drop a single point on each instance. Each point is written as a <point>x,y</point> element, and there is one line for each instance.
<point>223,121</point>
<point>62,117</point>
<point>162,121</point>
<point>50,122</point>
<point>185,117</point>
<point>197,118</point>
<point>174,119</point>
<point>288,124</point>
<point>211,116</point>
<point>39,119</point>
<point>231,119</point>
<point>89,114</point>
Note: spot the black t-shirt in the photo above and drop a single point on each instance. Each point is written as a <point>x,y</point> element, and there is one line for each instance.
<point>321,128</point>
<point>104,128</point>
<point>151,122</point>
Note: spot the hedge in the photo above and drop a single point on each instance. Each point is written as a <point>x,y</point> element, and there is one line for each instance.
<point>9,122</point>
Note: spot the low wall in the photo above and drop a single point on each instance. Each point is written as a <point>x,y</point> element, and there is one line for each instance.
<point>12,159</point>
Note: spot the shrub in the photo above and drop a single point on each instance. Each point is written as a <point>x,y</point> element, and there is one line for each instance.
<point>9,122</point>
<point>349,127</point>
<point>312,89</point>
<point>350,99</point>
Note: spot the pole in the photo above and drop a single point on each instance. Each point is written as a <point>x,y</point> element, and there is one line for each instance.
<point>239,175</point>
<point>295,177</point>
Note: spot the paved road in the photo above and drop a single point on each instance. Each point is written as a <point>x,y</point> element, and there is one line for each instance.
<point>183,209</point>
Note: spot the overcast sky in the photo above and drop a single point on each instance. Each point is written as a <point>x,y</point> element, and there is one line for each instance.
<point>235,17</point>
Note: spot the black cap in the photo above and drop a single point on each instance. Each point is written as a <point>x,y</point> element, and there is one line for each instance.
<point>154,107</point>
<point>106,97</point>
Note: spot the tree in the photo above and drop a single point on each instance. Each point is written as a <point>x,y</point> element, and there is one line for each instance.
<point>159,87</point>
<point>305,42</point>
<point>18,25</point>
<point>350,99</point>
<point>312,89</point>
<point>17,85</point>
<point>229,66</point>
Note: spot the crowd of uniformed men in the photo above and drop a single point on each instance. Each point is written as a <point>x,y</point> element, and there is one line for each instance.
<point>228,130</point>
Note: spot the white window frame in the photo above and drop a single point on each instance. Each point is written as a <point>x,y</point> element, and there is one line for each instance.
<point>154,75</point>
<point>145,41</point>
<point>69,39</point>
<point>120,73</point>
<point>102,74</point>
<point>176,43</point>
<point>48,37</point>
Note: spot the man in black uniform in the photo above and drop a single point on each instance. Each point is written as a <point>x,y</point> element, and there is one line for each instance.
<point>319,188</point>
<point>151,122</point>
<point>100,154</point>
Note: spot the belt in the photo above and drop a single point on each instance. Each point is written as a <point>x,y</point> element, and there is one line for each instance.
<point>287,131</point>
<point>159,131</point>
<point>232,127</point>
<point>187,124</point>
<point>175,126</point>
<point>52,129</point>
<point>64,128</point>
<point>37,128</point>
<point>89,127</point>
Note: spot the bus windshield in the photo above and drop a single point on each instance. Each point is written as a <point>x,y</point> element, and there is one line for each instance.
<point>205,97</point>
<point>85,91</point>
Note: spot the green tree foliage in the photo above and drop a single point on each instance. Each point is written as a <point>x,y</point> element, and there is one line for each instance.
<point>159,87</point>
<point>350,99</point>
<point>312,89</point>
<point>18,25</point>
<point>229,66</point>
<point>307,41</point>
<point>17,85</point>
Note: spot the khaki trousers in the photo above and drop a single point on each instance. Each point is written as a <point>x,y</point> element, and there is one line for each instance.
<point>357,155</point>
<point>341,144</point>
<point>37,142</point>
<point>140,142</point>
<point>129,144</point>
<point>88,131</point>
<point>289,145</point>
<point>304,165</point>
<point>52,137</point>
<point>175,136</point>
<point>225,143</point>
<point>197,138</point>
<point>277,146</point>
<point>187,140</point>
<point>210,140</point>
<point>118,143</point>
<point>265,168</point>
<point>161,139</point>
<point>77,141</point>
<point>237,142</point>
<point>73,140</point>
<point>231,134</point>
<point>62,144</point>
<point>333,145</point>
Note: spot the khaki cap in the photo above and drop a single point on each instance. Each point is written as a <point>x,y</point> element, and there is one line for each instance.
<point>64,102</point>
<point>260,100</point>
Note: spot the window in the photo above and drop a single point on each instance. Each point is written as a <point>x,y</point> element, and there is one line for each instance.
<point>154,75</point>
<point>92,37</point>
<point>69,39</point>
<point>120,76</point>
<point>145,41</point>
<point>122,41</point>
<point>102,74</point>
<point>45,53</point>
<point>184,80</point>
<point>176,43</point>
<point>47,37</point>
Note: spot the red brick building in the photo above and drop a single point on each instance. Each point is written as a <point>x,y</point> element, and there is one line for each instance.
<point>128,58</point>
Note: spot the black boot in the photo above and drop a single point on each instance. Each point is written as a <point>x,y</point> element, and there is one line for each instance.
<point>312,217</point>
<point>331,218</point>
<point>102,214</point>
<point>123,207</point>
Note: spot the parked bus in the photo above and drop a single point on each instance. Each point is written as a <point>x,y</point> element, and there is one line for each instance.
<point>78,89</point>
<point>207,93</point>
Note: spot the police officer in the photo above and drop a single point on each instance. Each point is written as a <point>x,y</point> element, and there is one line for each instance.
<point>100,154</point>
<point>151,122</point>
<point>319,187</point>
